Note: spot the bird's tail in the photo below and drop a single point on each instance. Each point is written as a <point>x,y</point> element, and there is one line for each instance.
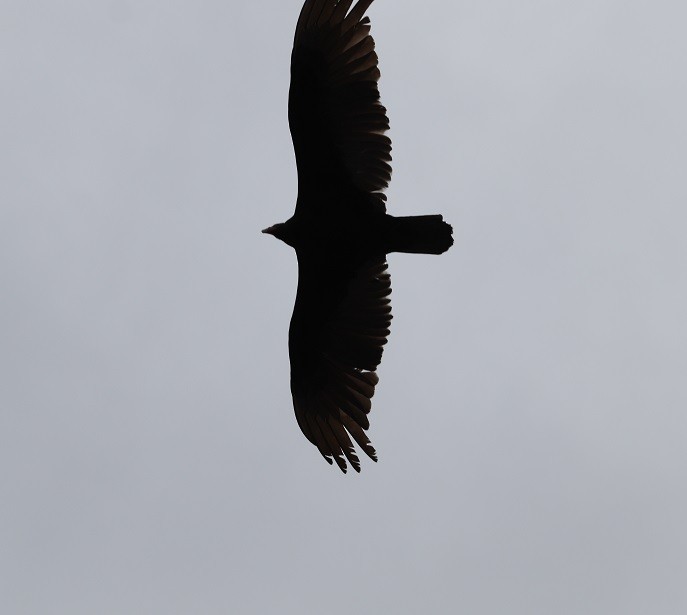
<point>420,235</point>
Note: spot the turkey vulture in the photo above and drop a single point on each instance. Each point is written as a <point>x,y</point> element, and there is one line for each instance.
<point>340,229</point>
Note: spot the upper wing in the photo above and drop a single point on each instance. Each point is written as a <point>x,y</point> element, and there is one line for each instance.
<point>337,122</point>
<point>339,326</point>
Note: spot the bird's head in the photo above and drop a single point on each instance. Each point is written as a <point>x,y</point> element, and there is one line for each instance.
<point>282,231</point>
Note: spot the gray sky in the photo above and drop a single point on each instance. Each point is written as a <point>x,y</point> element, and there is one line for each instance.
<point>530,417</point>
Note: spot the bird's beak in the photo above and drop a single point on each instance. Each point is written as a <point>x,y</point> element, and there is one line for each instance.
<point>269,230</point>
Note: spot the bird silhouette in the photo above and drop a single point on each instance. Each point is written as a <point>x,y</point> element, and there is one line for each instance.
<point>340,230</point>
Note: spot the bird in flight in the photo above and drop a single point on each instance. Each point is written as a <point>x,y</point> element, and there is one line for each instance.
<point>340,230</point>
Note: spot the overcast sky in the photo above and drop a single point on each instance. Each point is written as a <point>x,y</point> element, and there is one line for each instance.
<point>531,415</point>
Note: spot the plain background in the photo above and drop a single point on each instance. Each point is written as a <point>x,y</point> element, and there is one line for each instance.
<point>531,413</point>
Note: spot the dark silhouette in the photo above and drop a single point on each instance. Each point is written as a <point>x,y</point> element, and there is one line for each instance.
<point>340,230</point>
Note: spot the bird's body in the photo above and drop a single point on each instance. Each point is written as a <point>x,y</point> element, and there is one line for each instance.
<point>340,230</point>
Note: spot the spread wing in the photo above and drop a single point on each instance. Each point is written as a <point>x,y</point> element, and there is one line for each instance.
<point>338,330</point>
<point>337,122</point>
